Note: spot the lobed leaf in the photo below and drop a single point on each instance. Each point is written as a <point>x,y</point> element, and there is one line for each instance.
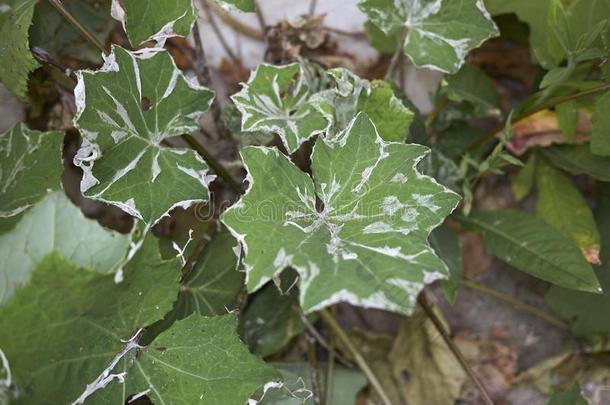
<point>364,242</point>
<point>439,33</point>
<point>125,111</point>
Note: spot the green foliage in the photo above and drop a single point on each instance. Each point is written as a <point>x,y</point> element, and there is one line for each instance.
<point>446,244</point>
<point>125,111</point>
<point>17,61</point>
<point>534,247</point>
<point>473,85</point>
<point>154,19</point>
<point>600,138</point>
<point>439,34</point>
<point>248,6</point>
<point>578,159</point>
<point>571,396</point>
<point>372,230</point>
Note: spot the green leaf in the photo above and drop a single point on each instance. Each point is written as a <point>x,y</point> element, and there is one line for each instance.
<point>385,44</point>
<point>443,169</point>
<point>523,182</point>
<point>17,61</point>
<point>567,117</point>
<point>588,313</point>
<point>471,84</point>
<point>212,286</point>
<point>600,136</point>
<point>30,165</point>
<point>561,205</point>
<point>154,19</point>
<point>390,116</point>
<point>446,244</point>
<point>54,224</point>
<point>571,396</point>
<point>365,242</point>
<point>272,318</point>
<point>534,247</point>
<point>198,360</point>
<point>578,159</point>
<point>55,35</point>
<point>297,386</point>
<point>249,6</point>
<point>62,329</point>
<point>275,100</point>
<point>125,111</point>
<point>440,33</point>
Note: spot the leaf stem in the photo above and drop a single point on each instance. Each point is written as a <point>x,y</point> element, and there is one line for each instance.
<point>396,55</point>
<point>516,303</point>
<point>236,24</point>
<point>209,15</point>
<point>77,25</point>
<point>338,330</point>
<point>528,112</point>
<point>423,302</point>
<point>211,160</point>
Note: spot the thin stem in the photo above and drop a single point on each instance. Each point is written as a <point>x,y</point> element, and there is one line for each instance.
<point>313,360</point>
<point>312,7</point>
<point>330,368</point>
<point>78,26</point>
<point>396,55</point>
<point>206,9</point>
<point>319,338</point>
<point>211,160</point>
<point>236,24</point>
<point>516,303</point>
<point>338,330</point>
<point>528,112</point>
<point>423,302</point>
<point>260,16</point>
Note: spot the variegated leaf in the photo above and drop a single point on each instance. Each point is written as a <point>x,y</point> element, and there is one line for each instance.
<point>276,100</point>
<point>125,111</point>
<point>248,6</point>
<point>439,33</point>
<point>154,19</point>
<point>357,232</point>
<point>27,168</point>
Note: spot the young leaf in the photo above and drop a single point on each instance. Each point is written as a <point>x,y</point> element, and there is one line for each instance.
<point>56,225</point>
<point>154,19</point>
<point>17,61</point>
<point>534,247</point>
<point>275,100</point>
<point>523,182</point>
<point>571,396</point>
<point>588,313</point>
<point>440,33</point>
<point>27,168</point>
<point>198,360</point>
<point>248,6</point>
<point>365,242</point>
<point>85,320</point>
<point>600,136</point>
<point>125,111</point>
<point>561,205</point>
<point>578,159</point>
<point>446,244</point>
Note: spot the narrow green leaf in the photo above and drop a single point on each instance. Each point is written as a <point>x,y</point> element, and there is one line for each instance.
<point>588,313</point>
<point>30,165</point>
<point>578,159</point>
<point>567,117</point>
<point>17,61</point>
<point>571,396</point>
<point>125,111</point>
<point>275,100</point>
<point>154,19</point>
<point>198,360</point>
<point>523,182</point>
<point>472,84</point>
<point>600,137</point>
<point>534,247</point>
<point>446,244</point>
<point>367,245</point>
<point>248,6</point>
<point>440,33</point>
<point>561,205</point>
<point>85,320</point>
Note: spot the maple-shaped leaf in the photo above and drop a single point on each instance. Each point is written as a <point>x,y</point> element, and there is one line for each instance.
<point>276,100</point>
<point>439,33</point>
<point>356,231</point>
<point>27,169</point>
<point>125,111</point>
<point>154,19</point>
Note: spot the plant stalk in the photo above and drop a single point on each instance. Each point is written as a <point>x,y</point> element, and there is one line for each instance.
<point>211,160</point>
<point>338,330</point>
<point>77,25</point>
<point>528,112</point>
<point>423,302</point>
<point>516,303</point>
<point>396,55</point>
